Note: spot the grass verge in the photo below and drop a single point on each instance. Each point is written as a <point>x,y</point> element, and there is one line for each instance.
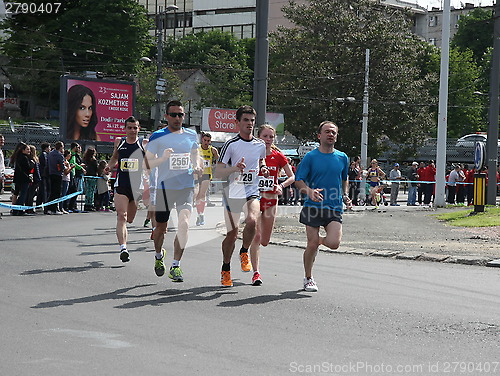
<point>467,218</point>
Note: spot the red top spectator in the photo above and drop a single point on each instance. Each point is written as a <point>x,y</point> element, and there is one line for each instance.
<point>428,173</point>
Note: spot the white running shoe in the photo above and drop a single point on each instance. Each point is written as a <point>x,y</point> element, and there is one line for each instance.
<point>310,285</point>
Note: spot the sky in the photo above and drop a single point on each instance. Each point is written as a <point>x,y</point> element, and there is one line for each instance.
<point>454,3</point>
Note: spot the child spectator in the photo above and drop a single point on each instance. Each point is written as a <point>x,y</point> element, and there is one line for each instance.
<point>66,179</point>
<point>102,187</point>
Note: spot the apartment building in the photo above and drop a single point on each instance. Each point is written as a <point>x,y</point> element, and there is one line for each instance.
<point>238,16</point>
<point>430,25</point>
<point>235,16</point>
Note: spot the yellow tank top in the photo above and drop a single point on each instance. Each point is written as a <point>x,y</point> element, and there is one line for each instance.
<point>207,156</point>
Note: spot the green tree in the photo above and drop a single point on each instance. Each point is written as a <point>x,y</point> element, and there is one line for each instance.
<point>323,58</point>
<point>465,109</point>
<point>475,33</point>
<point>146,89</point>
<point>90,35</point>
<point>223,59</point>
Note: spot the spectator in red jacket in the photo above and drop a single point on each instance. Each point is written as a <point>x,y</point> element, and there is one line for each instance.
<point>428,174</point>
<point>421,186</point>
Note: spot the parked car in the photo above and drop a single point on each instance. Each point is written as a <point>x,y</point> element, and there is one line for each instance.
<point>8,178</point>
<point>31,125</point>
<point>471,139</point>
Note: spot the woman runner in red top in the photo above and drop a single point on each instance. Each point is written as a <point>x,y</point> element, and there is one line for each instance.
<point>269,190</point>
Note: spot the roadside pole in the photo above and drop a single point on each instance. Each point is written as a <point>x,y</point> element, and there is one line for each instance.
<point>261,62</point>
<point>439,199</point>
<point>364,126</point>
<point>491,143</point>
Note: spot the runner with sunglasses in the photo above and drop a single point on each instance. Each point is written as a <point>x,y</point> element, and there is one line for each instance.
<point>173,150</point>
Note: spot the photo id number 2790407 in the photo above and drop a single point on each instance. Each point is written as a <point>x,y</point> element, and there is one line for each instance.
<point>31,8</point>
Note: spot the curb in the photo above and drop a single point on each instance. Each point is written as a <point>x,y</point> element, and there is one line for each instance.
<point>411,255</point>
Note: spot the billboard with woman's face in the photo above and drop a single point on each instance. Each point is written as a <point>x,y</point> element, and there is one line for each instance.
<point>95,109</point>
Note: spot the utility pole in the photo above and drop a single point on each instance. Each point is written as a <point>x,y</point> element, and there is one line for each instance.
<point>491,143</point>
<point>159,63</point>
<point>439,199</point>
<point>160,82</point>
<point>364,121</point>
<point>261,61</point>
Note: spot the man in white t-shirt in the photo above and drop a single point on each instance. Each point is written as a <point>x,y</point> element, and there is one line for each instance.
<point>240,161</point>
<point>395,177</point>
<point>456,175</point>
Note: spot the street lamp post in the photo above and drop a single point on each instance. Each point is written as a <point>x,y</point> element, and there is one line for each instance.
<point>160,82</point>
<point>5,86</point>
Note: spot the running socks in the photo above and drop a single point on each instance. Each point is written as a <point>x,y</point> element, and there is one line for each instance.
<point>200,206</point>
<point>226,267</point>
<point>243,250</point>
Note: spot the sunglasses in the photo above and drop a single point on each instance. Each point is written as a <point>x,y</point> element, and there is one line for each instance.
<point>174,114</point>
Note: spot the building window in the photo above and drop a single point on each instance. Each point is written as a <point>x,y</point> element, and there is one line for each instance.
<point>178,20</point>
<point>247,31</point>
<point>433,21</point>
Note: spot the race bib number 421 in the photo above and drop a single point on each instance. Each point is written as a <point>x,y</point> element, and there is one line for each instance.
<point>129,164</point>
<point>180,161</point>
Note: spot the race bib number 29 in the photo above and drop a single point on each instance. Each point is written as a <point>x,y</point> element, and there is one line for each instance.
<point>180,161</point>
<point>247,177</point>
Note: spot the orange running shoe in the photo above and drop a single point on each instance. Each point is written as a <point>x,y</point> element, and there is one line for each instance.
<point>225,279</point>
<point>246,265</point>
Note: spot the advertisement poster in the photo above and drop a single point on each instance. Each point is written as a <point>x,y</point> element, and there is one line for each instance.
<point>95,109</point>
<point>224,120</point>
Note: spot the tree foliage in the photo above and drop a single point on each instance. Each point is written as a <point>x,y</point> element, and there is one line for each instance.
<point>146,89</point>
<point>223,59</point>
<point>475,33</point>
<point>465,109</point>
<point>323,58</point>
<point>85,35</point>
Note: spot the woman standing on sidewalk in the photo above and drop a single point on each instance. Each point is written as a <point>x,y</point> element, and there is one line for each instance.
<point>90,186</point>
<point>270,190</point>
<point>22,175</point>
<point>36,178</point>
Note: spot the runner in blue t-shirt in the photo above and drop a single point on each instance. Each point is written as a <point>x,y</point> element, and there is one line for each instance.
<point>174,152</point>
<point>322,175</point>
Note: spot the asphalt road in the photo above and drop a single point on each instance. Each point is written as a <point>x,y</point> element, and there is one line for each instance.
<point>70,307</point>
